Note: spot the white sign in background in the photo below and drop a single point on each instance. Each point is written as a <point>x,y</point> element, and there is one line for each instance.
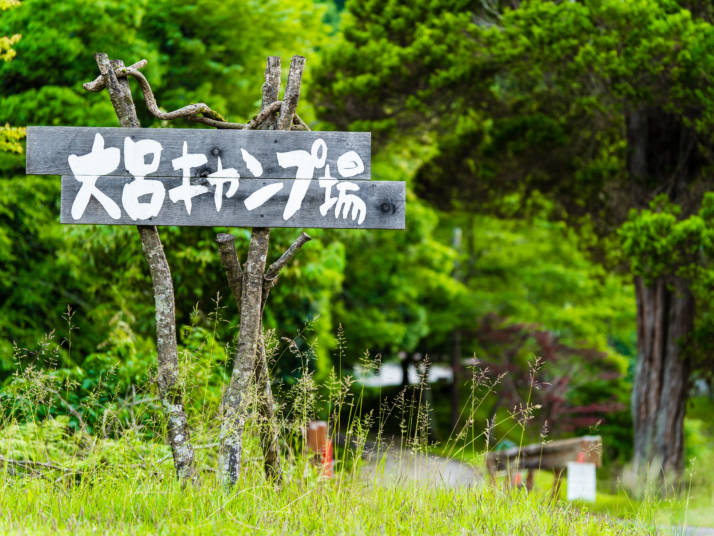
<point>581,481</point>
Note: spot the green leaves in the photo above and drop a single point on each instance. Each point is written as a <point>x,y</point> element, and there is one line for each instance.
<point>661,244</point>
<point>10,138</point>
<point>197,52</point>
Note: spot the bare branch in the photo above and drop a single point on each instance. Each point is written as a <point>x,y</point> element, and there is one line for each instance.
<point>201,112</point>
<point>186,111</point>
<point>34,465</point>
<point>270,278</point>
<point>271,85</point>
<point>271,275</point>
<point>259,118</point>
<point>271,90</point>
<point>215,123</point>
<point>299,124</point>
<point>292,93</point>
<point>98,83</point>
<point>264,114</point>
<point>119,92</point>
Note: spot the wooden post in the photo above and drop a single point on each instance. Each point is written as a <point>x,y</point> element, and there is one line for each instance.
<point>266,403</point>
<point>250,352</point>
<point>320,444</point>
<point>168,369</point>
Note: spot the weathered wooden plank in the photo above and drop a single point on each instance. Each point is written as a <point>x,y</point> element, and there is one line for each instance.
<point>553,455</point>
<point>220,153</point>
<point>380,204</point>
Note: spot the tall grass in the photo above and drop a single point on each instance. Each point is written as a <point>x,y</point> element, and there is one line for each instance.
<point>61,475</point>
<point>112,501</point>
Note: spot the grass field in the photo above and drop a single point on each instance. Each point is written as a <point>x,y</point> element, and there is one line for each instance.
<point>113,501</point>
<point>58,478</point>
<point>78,484</point>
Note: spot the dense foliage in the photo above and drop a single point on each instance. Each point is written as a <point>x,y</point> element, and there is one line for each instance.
<point>500,134</point>
<point>600,106</point>
<point>9,136</point>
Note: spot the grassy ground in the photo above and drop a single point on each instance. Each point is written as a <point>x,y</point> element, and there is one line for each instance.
<point>692,506</point>
<point>55,479</point>
<point>118,502</point>
<point>77,483</point>
<point>58,478</point>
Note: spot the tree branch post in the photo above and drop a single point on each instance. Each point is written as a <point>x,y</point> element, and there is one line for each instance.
<point>166,346</point>
<point>234,403</point>
<point>250,288</point>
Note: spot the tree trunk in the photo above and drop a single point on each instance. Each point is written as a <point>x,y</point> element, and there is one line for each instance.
<point>251,351</point>
<point>235,398</point>
<point>168,369</point>
<point>665,318</point>
<point>663,158</point>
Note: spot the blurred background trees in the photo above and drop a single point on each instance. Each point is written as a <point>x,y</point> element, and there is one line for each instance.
<point>9,136</point>
<point>527,132</point>
<point>600,106</point>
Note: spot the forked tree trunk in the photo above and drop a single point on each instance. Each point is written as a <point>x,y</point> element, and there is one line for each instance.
<point>251,350</point>
<point>665,318</point>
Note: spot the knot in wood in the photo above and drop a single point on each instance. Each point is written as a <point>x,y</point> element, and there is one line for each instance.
<point>387,207</point>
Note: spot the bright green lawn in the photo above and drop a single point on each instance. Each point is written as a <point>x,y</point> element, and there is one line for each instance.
<point>126,486</point>
<point>140,503</point>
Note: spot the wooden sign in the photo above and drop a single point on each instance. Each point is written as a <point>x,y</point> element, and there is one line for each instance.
<point>232,178</point>
<point>265,154</point>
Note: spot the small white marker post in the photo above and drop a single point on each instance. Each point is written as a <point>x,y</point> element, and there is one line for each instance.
<point>581,481</point>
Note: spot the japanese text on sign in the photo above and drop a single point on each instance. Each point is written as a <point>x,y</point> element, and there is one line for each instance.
<point>232,178</point>
<point>103,160</point>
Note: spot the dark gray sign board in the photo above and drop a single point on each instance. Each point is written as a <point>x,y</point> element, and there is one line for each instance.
<point>121,176</point>
<point>377,205</point>
<point>251,153</point>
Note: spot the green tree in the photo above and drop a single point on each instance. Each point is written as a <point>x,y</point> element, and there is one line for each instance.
<point>672,262</point>
<point>7,41</point>
<point>601,105</point>
<point>9,136</point>
<point>218,57</point>
<point>214,51</point>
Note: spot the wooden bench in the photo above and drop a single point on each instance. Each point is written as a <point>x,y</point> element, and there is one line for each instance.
<point>551,456</point>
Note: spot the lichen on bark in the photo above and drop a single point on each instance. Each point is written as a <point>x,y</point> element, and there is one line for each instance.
<point>166,346</point>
